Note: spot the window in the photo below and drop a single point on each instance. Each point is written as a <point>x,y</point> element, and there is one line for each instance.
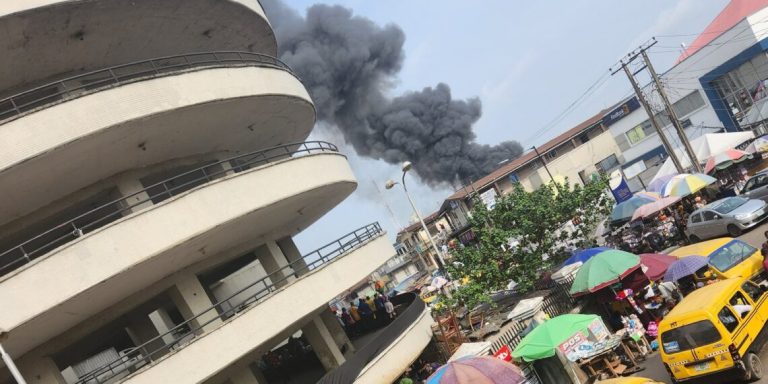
<point>551,155</point>
<point>689,336</point>
<point>696,218</point>
<point>731,254</point>
<point>709,215</point>
<point>728,319</point>
<point>608,164</point>
<point>635,135</point>
<point>752,290</point>
<point>729,204</point>
<point>740,304</point>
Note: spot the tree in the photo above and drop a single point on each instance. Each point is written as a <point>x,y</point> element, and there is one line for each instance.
<point>525,233</point>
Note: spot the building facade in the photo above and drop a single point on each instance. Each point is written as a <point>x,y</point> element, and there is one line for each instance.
<point>155,174</point>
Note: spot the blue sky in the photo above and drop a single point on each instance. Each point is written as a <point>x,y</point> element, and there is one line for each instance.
<point>526,61</point>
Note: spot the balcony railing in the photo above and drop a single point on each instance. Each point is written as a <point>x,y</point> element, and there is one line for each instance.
<point>134,359</point>
<point>95,81</point>
<point>109,212</point>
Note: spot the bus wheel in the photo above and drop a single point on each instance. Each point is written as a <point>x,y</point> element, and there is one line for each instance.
<point>753,366</point>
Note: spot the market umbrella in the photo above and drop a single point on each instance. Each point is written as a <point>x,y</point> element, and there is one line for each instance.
<point>651,209</point>
<point>624,210</point>
<point>658,183</point>
<point>725,159</point>
<point>542,341</point>
<point>653,195</point>
<point>685,184</point>
<point>477,369</point>
<point>581,256</point>
<point>684,266</point>
<point>655,264</point>
<point>758,146</point>
<point>602,270</point>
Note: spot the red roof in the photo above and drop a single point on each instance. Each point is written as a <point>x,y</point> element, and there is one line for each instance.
<point>732,14</point>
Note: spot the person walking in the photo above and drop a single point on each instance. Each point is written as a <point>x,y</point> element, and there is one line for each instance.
<point>390,308</point>
<point>366,315</point>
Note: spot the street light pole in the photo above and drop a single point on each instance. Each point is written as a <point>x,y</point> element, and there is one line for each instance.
<point>538,155</point>
<point>406,167</point>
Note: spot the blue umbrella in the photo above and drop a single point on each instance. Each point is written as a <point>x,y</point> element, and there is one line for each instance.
<point>582,255</point>
<point>625,210</point>
<point>685,266</point>
<point>657,184</point>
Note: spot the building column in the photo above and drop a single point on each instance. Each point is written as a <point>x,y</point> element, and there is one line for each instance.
<point>140,330</point>
<point>163,323</point>
<point>293,255</point>
<point>323,344</point>
<point>246,375</point>
<point>275,264</point>
<point>41,370</point>
<point>128,185</point>
<point>337,331</point>
<point>190,298</point>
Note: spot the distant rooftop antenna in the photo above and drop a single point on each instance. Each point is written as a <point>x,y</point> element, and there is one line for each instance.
<point>682,52</point>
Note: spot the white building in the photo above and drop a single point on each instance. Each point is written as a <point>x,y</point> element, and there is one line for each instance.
<point>153,176</point>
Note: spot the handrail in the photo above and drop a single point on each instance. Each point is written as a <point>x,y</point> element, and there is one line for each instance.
<point>320,256</point>
<point>102,215</point>
<point>90,82</point>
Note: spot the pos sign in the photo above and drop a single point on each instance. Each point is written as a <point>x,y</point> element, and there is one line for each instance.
<point>503,354</point>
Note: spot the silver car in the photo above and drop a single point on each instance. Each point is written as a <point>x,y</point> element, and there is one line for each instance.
<point>731,216</point>
<point>757,186</point>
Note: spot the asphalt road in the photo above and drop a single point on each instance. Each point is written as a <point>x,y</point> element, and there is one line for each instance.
<point>653,366</point>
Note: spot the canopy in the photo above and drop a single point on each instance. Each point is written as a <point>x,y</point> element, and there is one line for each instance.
<point>655,264</point>
<point>758,146</point>
<point>602,270</point>
<point>479,369</point>
<point>725,159</point>
<point>544,339</point>
<point>624,210</point>
<point>704,146</point>
<point>651,209</point>
<point>684,266</point>
<point>658,183</point>
<point>685,184</point>
<point>582,256</point>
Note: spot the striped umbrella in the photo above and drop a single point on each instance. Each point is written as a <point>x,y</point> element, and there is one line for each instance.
<point>725,159</point>
<point>658,183</point>
<point>624,210</point>
<point>477,370</point>
<point>685,184</point>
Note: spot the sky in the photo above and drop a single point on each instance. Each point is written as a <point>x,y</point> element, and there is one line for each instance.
<point>527,61</point>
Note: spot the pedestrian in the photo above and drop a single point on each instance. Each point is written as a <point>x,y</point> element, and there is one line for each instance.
<point>764,251</point>
<point>366,315</point>
<point>390,308</point>
<point>349,322</point>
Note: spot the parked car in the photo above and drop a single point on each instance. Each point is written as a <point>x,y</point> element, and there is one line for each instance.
<point>731,216</point>
<point>757,186</point>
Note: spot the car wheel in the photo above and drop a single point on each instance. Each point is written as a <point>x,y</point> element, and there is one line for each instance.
<point>734,231</point>
<point>753,367</point>
<point>694,238</point>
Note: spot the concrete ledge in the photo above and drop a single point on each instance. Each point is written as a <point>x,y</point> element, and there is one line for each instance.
<point>111,263</point>
<point>262,323</point>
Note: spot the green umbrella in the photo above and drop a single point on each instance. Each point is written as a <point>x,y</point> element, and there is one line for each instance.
<point>602,270</point>
<point>544,339</point>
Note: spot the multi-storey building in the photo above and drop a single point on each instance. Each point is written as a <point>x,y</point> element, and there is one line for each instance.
<point>153,176</point>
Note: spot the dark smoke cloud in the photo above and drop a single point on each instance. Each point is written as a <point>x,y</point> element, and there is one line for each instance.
<point>348,63</point>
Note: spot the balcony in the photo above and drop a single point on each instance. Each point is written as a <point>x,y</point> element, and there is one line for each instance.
<point>208,211</point>
<point>141,114</point>
<point>49,38</point>
<point>189,357</point>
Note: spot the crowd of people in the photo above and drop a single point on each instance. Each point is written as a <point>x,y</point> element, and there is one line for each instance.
<point>366,313</point>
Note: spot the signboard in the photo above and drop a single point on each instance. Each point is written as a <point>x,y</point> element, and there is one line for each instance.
<point>621,111</point>
<point>503,354</point>
<point>570,347</point>
<point>619,188</point>
<point>489,198</point>
<point>597,328</point>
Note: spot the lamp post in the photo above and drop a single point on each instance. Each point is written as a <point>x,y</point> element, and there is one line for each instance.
<point>389,185</point>
<point>538,155</point>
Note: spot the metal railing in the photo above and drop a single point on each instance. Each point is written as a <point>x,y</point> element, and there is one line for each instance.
<point>106,213</point>
<point>134,359</point>
<point>94,81</point>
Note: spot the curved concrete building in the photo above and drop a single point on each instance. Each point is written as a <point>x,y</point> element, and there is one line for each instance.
<point>154,174</point>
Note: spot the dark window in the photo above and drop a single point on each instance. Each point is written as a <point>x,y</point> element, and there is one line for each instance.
<point>728,319</point>
<point>689,336</point>
<point>608,164</point>
<point>696,218</point>
<point>709,215</point>
<point>752,290</point>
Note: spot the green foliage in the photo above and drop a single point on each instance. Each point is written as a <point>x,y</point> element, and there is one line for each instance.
<point>523,229</point>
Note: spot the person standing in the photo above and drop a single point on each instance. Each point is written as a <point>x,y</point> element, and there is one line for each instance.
<point>366,315</point>
<point>390,308</point>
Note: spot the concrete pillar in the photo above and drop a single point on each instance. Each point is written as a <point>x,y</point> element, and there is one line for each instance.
<point>190,298</point>
<point>128,185</point>
<point>275,264</point>
<point>41,370</point>
<point>337,331</point>
<point>140,329</point>
<point>163,323</point>
<point>323,344</point>
<point>293,255</point>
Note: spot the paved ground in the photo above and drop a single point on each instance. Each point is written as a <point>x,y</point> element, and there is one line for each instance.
<point>653,366</point>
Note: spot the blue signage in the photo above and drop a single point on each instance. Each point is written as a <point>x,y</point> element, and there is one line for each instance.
<point>619,112</point>
<point>621,192</point>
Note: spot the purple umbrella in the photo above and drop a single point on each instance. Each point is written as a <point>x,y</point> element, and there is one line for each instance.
<point>685,266</point>
<point>657,184</point>
<point>477,370</point>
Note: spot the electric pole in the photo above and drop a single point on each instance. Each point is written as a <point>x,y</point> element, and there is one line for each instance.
<point>640,97</point>
<point>671,112</point>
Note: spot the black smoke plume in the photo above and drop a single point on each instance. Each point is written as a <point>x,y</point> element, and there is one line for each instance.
<point>348,63</point>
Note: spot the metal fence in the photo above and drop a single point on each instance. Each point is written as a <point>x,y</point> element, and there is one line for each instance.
<point>94,81</point>
<point>104,214</point>
<point>184,332</point>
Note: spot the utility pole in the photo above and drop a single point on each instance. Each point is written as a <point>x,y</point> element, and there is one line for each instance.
<point>640,97</point>
<point>671,112</point>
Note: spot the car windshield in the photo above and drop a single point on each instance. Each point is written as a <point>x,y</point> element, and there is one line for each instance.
<point>689,336</point>
<point>727,256</point>
<point>727,205</point>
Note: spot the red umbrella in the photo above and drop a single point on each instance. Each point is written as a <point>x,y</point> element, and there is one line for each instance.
<point>654,265</point>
